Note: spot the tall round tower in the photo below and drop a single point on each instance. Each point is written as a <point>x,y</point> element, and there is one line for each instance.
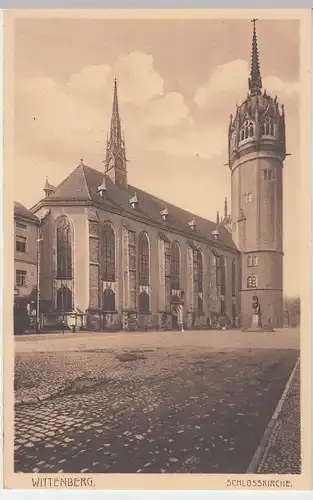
<point>257,150</point>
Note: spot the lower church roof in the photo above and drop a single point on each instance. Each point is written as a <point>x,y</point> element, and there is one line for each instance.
<point>24,213</point>
<point>82,186</point>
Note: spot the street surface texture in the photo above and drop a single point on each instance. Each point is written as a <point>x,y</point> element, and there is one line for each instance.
<point>283,452</point>
<point>149,402</point>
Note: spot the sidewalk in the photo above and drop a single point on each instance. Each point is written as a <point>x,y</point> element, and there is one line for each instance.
<point>282,454</point>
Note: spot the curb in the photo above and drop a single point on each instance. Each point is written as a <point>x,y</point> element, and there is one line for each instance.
<point>258,455</point>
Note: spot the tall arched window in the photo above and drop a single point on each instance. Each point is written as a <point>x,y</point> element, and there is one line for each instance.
<point>247,130</point>
<point>64,248</point>
<point>108,300</point>
<point>167,269</point>
<point>144,260</point>
<point>64,299</point>
<point>233,278</point>
<point>175,266</point>
<point>198,270</point>
<point>200,306</point>
<point>108,253</point>
<point>144,302</point>
<point>268,127</point>
<point>223,275</point>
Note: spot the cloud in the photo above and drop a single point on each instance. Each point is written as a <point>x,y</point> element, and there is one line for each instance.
<point>70,120</point>
<point>90,78</point>
<point>228,83</point>
<point>58,118</point>
<point>140,82</point>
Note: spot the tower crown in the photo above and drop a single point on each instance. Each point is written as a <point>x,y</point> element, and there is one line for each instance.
<point>259,123</point>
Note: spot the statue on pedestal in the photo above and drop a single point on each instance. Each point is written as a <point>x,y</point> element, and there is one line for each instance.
<point>256,309</point>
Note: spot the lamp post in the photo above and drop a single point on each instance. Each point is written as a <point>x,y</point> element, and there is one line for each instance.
<point>39,240</point>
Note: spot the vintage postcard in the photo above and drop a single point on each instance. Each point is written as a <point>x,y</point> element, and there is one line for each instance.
<point>157,249</point>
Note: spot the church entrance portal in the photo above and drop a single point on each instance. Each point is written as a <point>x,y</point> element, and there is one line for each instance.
<point>176,317</point>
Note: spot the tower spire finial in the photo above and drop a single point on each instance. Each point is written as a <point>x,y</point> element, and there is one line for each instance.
<point>115,130</point>
<point>225,208</point>
<point>255,80</point>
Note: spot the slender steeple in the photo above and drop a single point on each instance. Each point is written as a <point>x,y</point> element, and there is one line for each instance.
<point>255,80</point>
<point>115,161</point>
<point>115,130</point>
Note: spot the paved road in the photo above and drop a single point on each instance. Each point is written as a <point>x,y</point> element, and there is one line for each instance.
<point>208,416</point>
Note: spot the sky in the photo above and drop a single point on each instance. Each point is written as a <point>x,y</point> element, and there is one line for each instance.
<point>178,82</point>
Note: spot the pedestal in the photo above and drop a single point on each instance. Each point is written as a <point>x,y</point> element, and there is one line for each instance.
<point>257,327</point>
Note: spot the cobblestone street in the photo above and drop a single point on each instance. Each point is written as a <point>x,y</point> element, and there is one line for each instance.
<point>283,452</point>
<point>168,408</point>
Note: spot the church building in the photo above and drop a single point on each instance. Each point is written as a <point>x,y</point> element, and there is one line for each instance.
<point>115,257</point>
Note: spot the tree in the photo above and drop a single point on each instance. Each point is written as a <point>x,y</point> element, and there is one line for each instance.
<point>292,308</point>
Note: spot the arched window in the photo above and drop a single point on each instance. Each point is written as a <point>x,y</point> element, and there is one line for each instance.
<point>175,266</point>
<point>64,248</point>
<point>167,269</point>
<point>198,270</point>
<point>108,300</point>
<point>132,269</point>
<point>233,278</point>
<point>64,299</point>
<point>119,163</point>
<point>268,127</point>
<point>247,130</point>
<point>108,253</point>
<point>223,276</point>
<point>144,259</point>
<point>223,308</point>
<point>144,302</point>
<point>251,282</point>
<point>200,305</point>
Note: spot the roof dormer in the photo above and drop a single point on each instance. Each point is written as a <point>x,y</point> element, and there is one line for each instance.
<point>102,188</point>
<point>192,224</point>
<point>164,213</point>
<point>134,201</point>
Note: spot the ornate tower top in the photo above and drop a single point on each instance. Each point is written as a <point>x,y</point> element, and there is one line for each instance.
<point>259,121</point>
<point>115,161</point>
<point>255,80</point>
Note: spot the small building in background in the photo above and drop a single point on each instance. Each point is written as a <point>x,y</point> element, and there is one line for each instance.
<point>26,226</point>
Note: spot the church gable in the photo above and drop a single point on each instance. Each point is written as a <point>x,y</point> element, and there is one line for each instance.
<point>74,187</point>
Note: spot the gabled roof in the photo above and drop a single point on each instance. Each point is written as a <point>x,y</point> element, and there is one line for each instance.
<point>74,187</point>
<point>24,213</point>
<point>82,186</point>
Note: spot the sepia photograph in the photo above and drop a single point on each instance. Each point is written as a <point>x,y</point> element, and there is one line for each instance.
<point>156,291</point>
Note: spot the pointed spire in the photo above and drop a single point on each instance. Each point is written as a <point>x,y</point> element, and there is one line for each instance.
<point>225,209</point>
<point>115,130</point>
<point>217,217</point>
<point>115,157</point>
<point>255,80</point>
